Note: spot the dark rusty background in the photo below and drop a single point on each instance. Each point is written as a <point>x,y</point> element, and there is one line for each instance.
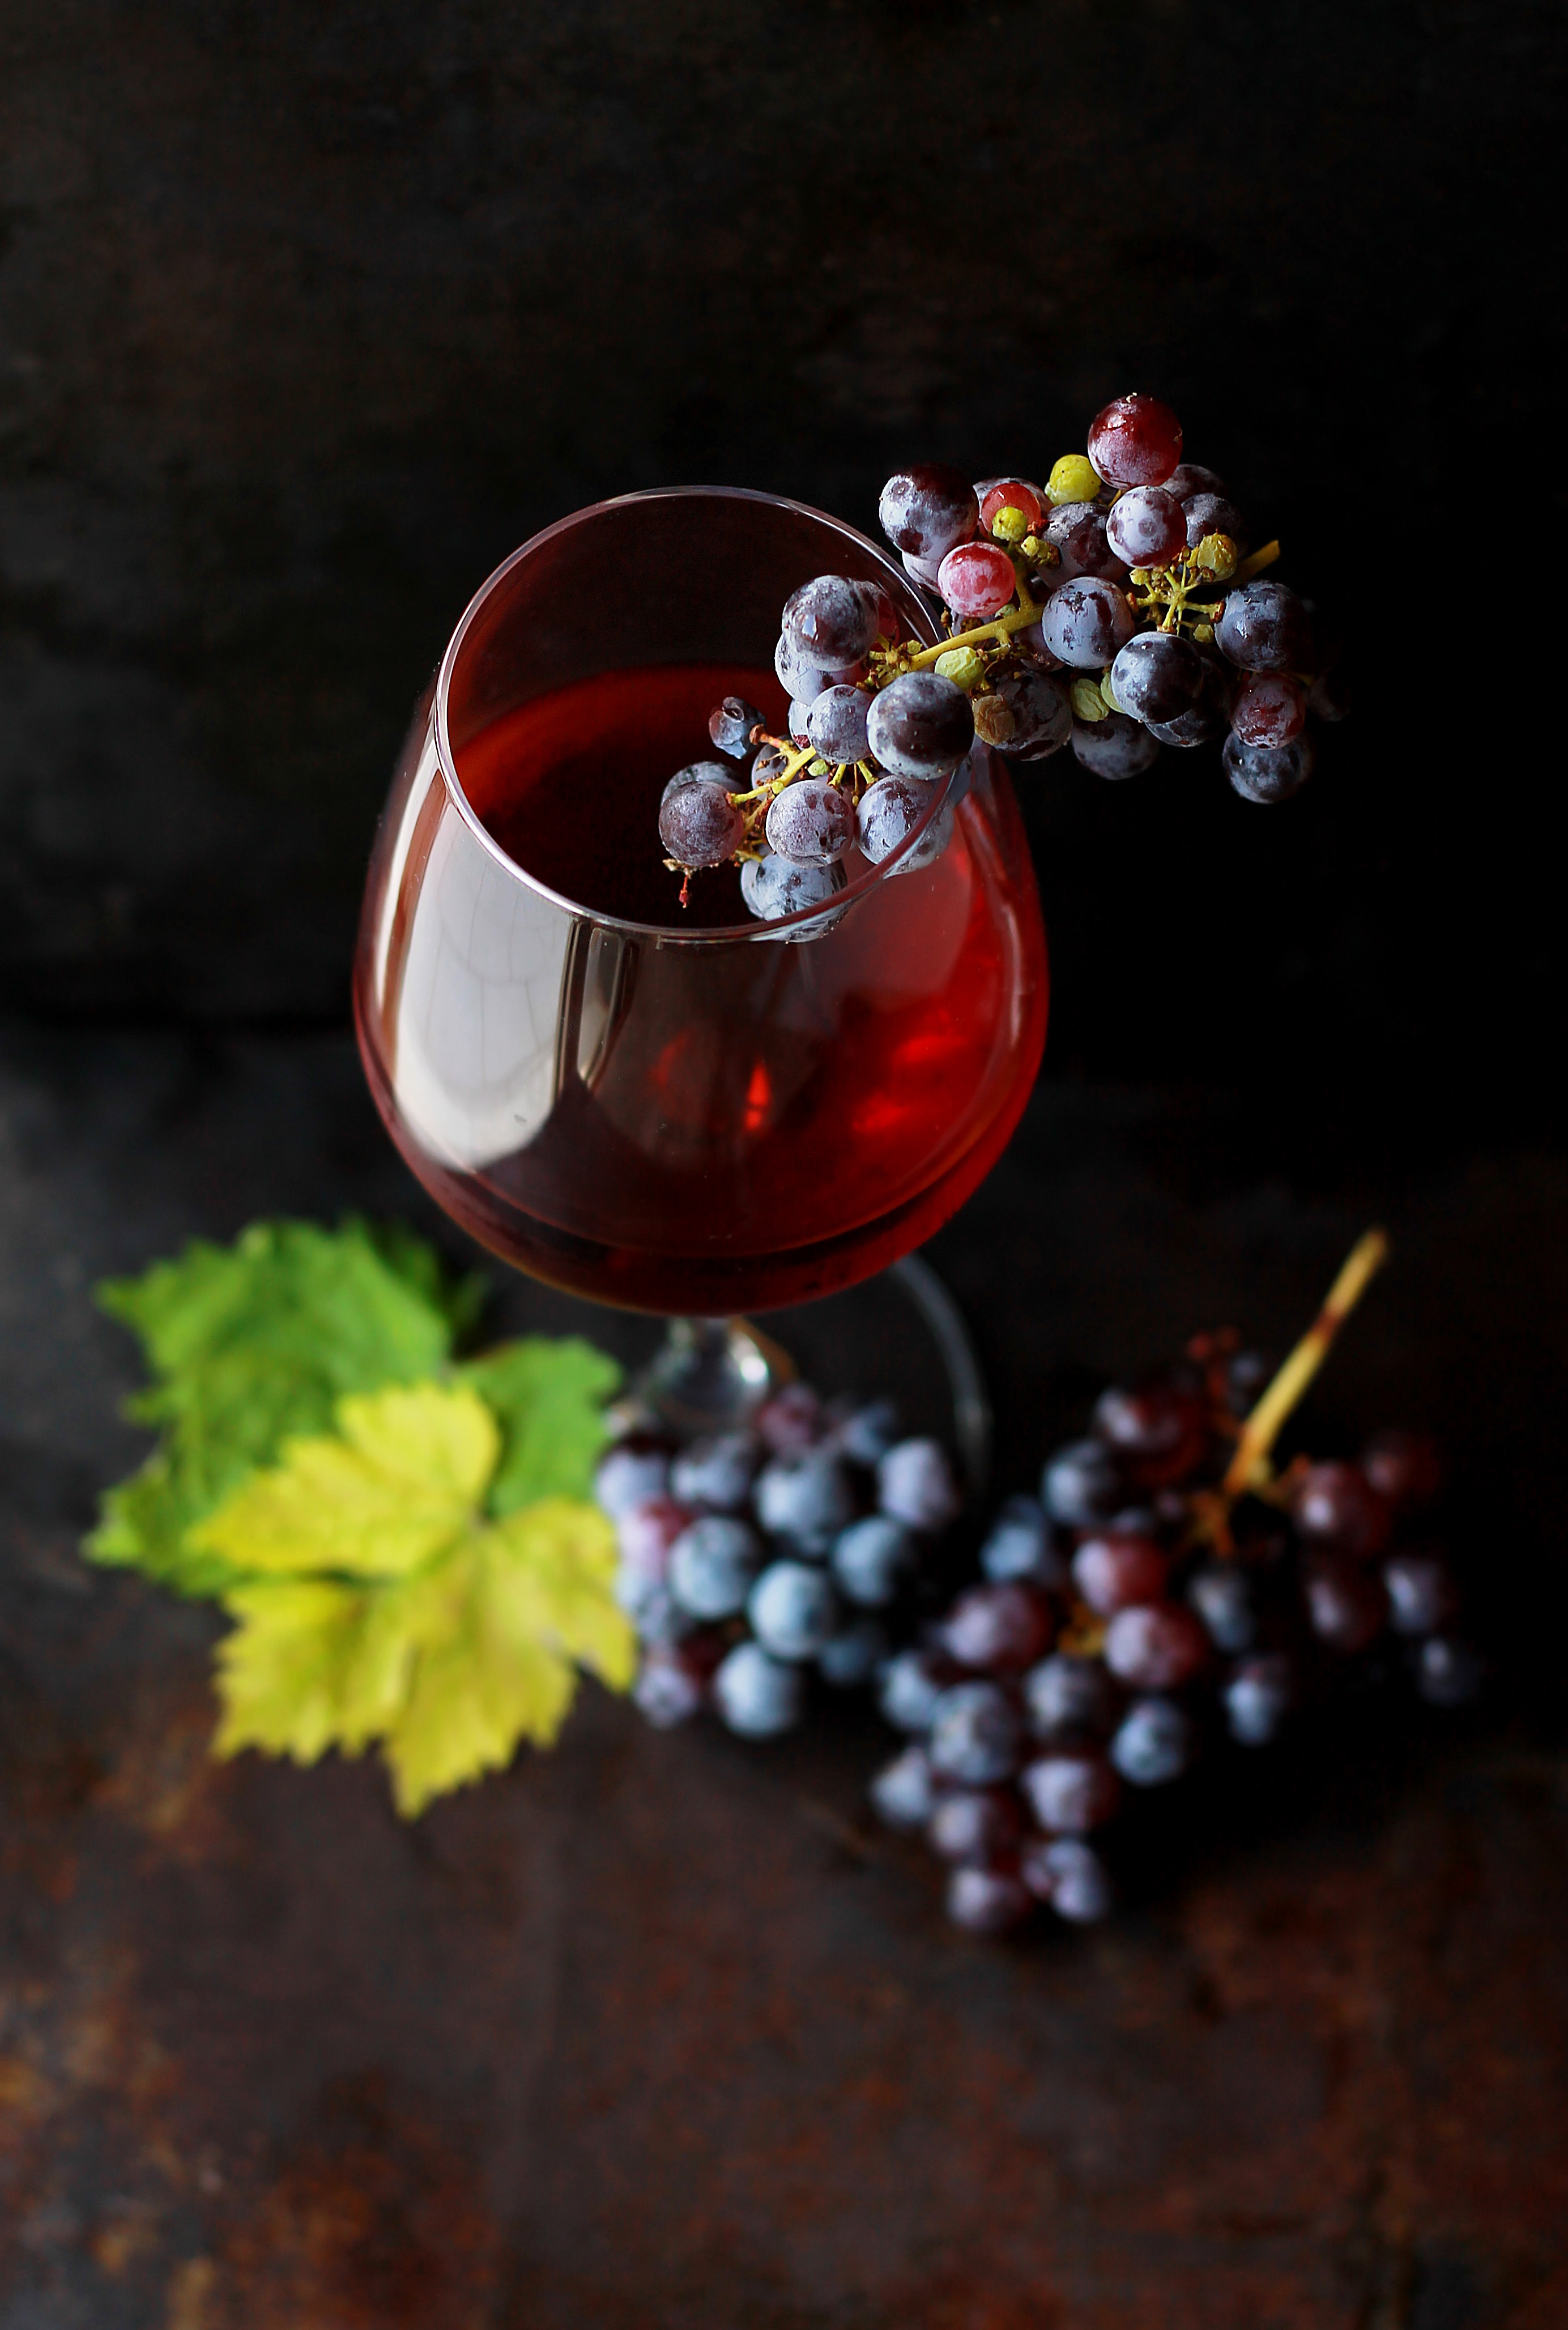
<point>310,311</point>
<point>660,2030</point>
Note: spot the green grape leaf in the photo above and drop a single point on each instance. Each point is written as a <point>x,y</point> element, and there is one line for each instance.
<point>379,1603</point>
<point>253,1342</point>
<point>549,1398</point>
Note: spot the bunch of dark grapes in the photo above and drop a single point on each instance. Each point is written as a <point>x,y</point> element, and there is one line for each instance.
<point>1134,1616</point>
<point>754,1559</point>
<point>1116,608</point>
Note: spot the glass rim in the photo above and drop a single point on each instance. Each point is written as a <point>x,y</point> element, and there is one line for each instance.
<point>663,934</point>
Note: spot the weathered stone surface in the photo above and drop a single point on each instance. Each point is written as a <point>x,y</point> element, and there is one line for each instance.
<point>659,2029</point>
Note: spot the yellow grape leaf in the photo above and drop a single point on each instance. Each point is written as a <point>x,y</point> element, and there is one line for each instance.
<point>405,1477</point>
<point>284,1674</point>
<point>499,1623</point>
<point>377,1604</point>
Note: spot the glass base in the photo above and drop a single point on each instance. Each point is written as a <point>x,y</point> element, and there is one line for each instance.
<point>711,1375</point>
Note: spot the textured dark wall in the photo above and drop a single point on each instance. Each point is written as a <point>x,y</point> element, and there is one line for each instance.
<point>310,312</point>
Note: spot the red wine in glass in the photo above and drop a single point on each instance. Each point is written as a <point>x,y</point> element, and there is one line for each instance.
<point>676,1110</point>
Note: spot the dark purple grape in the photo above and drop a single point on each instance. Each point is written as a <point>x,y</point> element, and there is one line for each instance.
<point>758,1696</point>
<point>975,1738</point>
<point>1257,1697</point>
<point>1066,1693</point>
<point>1346,1603</point>
<point>1078,531</point>
<point>1204,721</point>
<point>1042,715</point>
<point>1116,1571</point>
<point>1157,1646</point>
<point>871,1556</point>
<point>1260,775</point>
<point>1268,710</point>
<point>923,570</point>
<point>852,1655</point>
<point>915,1484</point>
<point>1000,1627</point>
<point>1147,527</point>
<point>793,1609</point>
<point>718,1472</point>
<point>1020,1543</point>
<point>867,1433</point>
<point>975,1827</point>
<point>804,1494</point>
<point>1189,478</point>
<point>911,1688</point>
<point>800,714</point>
<point>670,1689</point>
<point>1222,1595</point>
<point>711,1565</point>
<point>1422,1595</point>
<point>1264,627</point>
<point>1135,440</point>
<point>1082,1486</point>
<point>646,1533</point>
<point>1157,675</point>
<point>1086,622</point>
<point>889,812</point>
<point>922,725</point>
<point>926,509</point>
<point>633,1472</point>
<point>1153,1743</point>
<point>835,725</point>
<point>789,1418</point>
<point>830,621</point>
<point>699,824</point>
<point>1071,1791</point>
<point>903,1791</point>
<point>1070,1875</point>
<point>810,823</point>
<point>1448,1673</point>
<point>987,1900</point>
<point>1114,747</point>
<point>730,726</point>
<point>774,886</point>
<point>1211,513</point>
<point>1336,1506</point>
<point>1405,1467</point>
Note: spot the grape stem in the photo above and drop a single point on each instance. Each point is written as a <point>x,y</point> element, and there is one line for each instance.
<point>1000,630</point>
<point>1249,1466</point>
<point>1258,560</point>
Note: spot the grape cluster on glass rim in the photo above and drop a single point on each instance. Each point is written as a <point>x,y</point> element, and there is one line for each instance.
<point>1116,608</point>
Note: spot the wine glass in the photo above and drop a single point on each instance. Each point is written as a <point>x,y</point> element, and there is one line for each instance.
<point>687,1112</point>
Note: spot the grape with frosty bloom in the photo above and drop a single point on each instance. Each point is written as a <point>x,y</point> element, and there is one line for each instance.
<point>1128,574</point>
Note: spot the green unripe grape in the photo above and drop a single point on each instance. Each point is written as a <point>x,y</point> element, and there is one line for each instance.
<point>963,666</point>
<point>1074,479</point>
<point>1009,525</point>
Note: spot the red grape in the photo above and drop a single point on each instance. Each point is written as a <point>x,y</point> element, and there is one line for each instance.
<point>1156,1646</point>
<point>1071,1791</point>
<point>1136,441</point>
<point>1010,493</point>
<point>987,1900</point>
<point>1001,1627</point>
<point>1158,1428</point>
<point>977,580</point>
<point>1268,710</point>
<point>975,1826</point>
<point>1338,1508</point>
<point>1405,1467</point>
<point>1118,1569</point>
<point>1346,1603</point>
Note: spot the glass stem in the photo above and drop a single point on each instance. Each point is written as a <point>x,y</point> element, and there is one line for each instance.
<point>711,1375</point>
